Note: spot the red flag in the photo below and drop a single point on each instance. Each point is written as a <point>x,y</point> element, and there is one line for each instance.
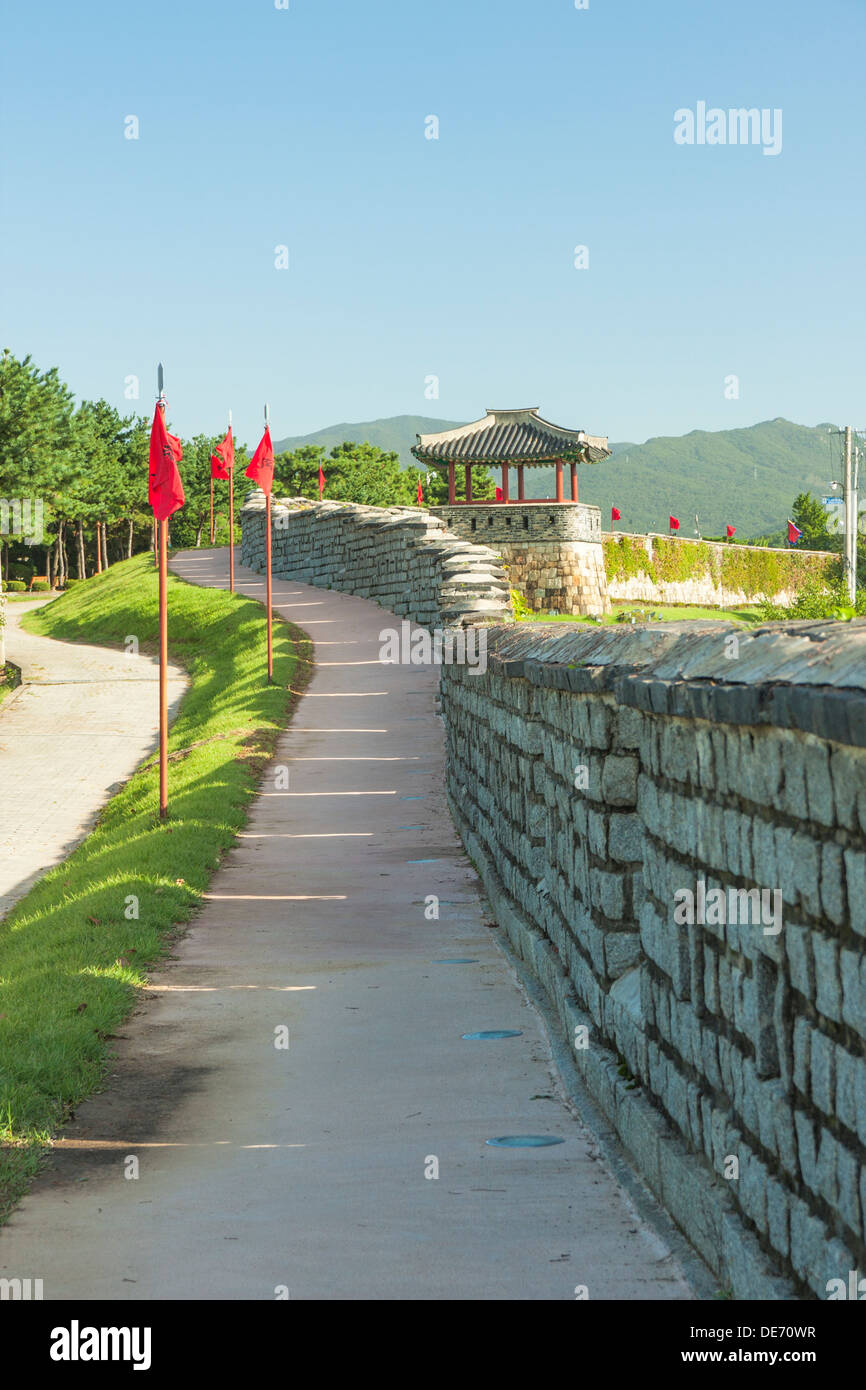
<point>674,523</point>
<point>731,530</point>
<point>261,466</point>
<point>420,494</point>
<point>222,460</point>
<point>165,489</point>
<point>794,533</point>
<point>499,494</point>
<point>322,482</point>
<point>615,514</point>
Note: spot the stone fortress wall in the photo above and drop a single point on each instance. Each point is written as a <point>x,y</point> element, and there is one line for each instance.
<point>551,551</point>
<point>401,557</point>
<point>596,775</point>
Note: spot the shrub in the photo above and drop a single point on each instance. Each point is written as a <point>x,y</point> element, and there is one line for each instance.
<point>41,586</point>
<point>15,586</point>
<point>817,600</point>
<point>521,608</point>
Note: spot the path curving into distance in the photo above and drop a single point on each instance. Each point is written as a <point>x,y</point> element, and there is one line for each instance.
<point>299,1171</point>
<point>71,734</point>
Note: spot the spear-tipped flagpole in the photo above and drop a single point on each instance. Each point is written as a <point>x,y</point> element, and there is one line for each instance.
<point>231,523</point>
<point>268,587</point>
<point>162,527</point>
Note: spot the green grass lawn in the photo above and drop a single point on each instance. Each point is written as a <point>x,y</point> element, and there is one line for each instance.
<point>654,613</point>
<point>72,954</point>
<point>9,678</point>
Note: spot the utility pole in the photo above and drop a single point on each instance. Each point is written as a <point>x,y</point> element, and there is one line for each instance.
<point>851,517</point>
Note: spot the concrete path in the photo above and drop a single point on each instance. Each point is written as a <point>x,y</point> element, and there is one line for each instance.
<point>309,1171</point>
<point>70,735</point>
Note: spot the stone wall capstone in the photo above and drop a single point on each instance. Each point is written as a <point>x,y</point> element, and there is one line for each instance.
<point>401,557</point>
<point>597,778</point>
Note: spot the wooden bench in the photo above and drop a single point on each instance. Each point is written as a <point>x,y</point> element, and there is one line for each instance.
<point>36,579</point>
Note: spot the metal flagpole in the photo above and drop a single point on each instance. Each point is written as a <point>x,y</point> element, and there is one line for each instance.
<point>211,509</point>
<point>268,568</point>
<point>231,521</point>
<point>163,642</point>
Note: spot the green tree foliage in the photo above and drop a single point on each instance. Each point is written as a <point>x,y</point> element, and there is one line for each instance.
<point>36,430</point>
<point>353,473</point>
<point>810,517</point>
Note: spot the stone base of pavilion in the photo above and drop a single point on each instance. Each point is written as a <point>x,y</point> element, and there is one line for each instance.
<point>551,550</point>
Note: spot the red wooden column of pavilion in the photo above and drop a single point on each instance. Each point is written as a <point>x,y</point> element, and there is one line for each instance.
<point>510,438</point>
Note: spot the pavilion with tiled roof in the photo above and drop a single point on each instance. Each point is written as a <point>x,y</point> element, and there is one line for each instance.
<point>510,439</point>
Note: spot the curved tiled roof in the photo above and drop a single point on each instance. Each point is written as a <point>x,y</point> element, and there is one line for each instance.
<point>510,436</point>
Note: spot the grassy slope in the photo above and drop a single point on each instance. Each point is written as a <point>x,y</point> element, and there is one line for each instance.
<point>69,943</point>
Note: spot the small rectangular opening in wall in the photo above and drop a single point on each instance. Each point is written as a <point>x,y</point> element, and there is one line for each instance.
<point>508,521</point>
<point>550,521</point>
<point>490,521</point>
<point>526,523</point>
<point>474,526</point>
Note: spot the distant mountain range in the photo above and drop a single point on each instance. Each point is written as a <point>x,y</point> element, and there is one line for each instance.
<point>747,478</point>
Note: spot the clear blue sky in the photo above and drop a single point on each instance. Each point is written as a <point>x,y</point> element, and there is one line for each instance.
<point>411,257</point>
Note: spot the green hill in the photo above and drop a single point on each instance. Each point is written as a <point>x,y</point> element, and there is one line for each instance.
<point>397,433</point>
<point>746,477</point>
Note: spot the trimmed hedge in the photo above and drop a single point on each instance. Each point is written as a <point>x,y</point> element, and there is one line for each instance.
<point>747,569</point>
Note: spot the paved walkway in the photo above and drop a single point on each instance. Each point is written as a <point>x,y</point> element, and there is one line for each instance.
<point>70,735</point>
<point>307,1171</point>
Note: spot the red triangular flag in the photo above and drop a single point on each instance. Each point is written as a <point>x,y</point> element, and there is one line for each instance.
<point>165,489</point>
<point>222,460</point>
<point>261,466</point>
<point>420,494</point>
<point>615,514</point>
<point>499,494</point>
<point>321,482</point>
<point>674,523</point>
<point>794,533</point>
<point>731,530</point>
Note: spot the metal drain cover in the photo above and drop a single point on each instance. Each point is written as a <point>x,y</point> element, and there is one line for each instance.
<point>494,1033</point>
<point>524,1141</point>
